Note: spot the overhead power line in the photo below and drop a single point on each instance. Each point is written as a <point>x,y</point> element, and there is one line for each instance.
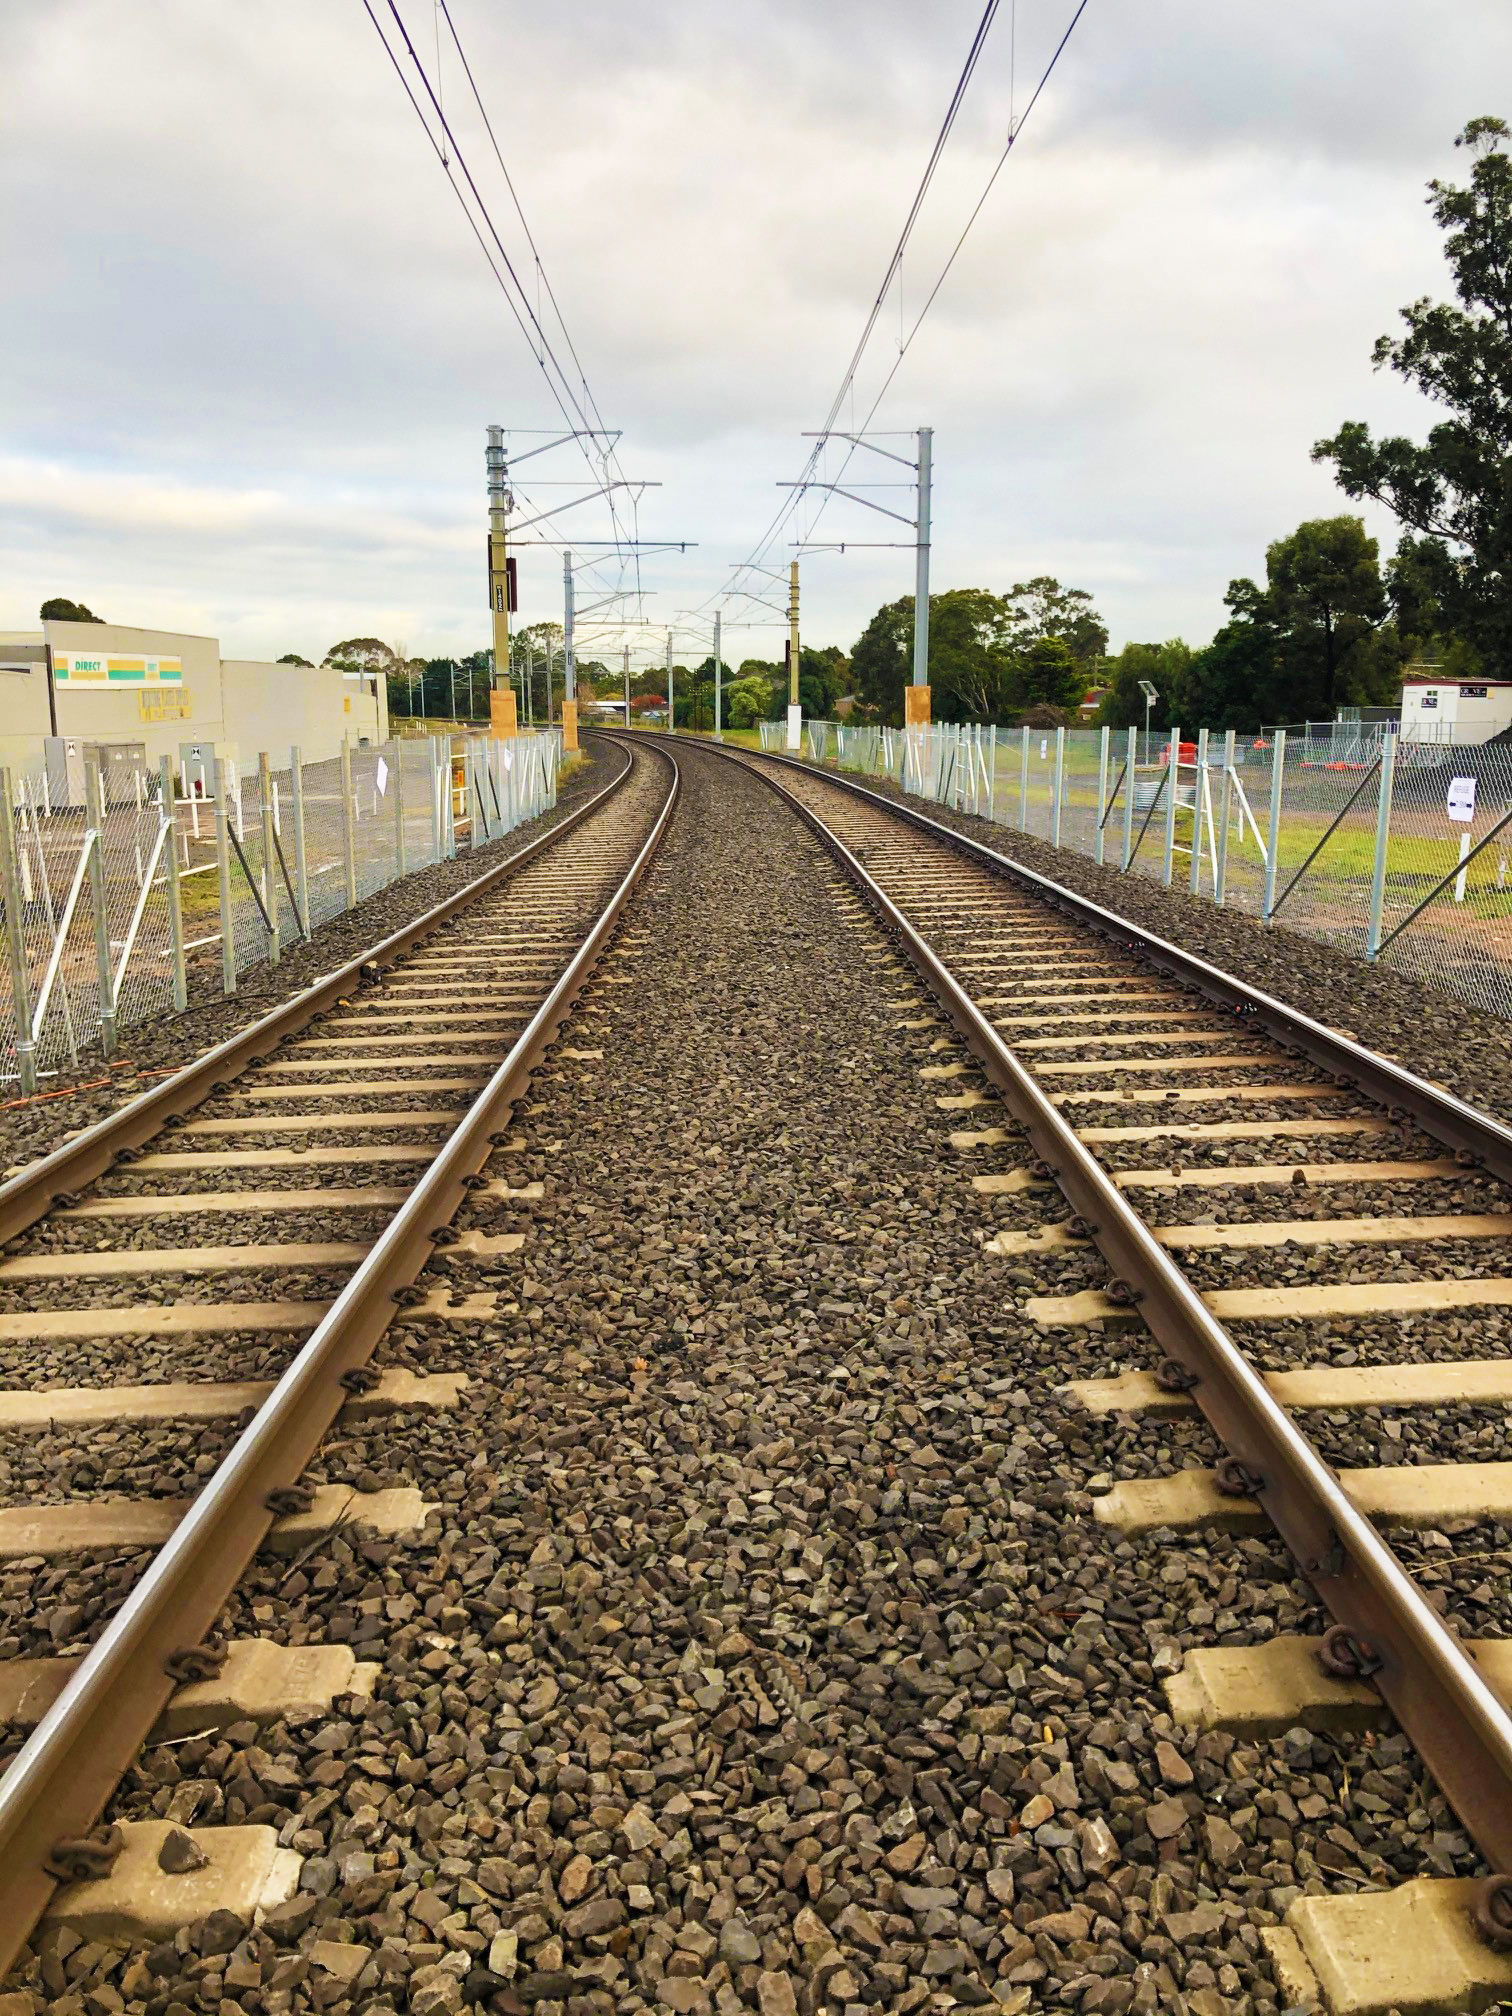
<point>1016,126</point>
<point>447,150</point>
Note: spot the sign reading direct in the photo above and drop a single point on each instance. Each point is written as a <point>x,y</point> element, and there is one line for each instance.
<point>85,668</point>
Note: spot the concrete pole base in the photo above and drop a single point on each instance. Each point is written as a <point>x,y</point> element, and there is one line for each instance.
<point>794,727</point>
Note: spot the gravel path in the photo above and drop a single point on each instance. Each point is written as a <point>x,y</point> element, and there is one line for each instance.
<point>1451,1044</point>
<point>761,1653</point>
<point>71,1101</point>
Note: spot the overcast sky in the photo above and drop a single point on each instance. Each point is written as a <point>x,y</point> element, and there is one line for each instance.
<point>250,345</point>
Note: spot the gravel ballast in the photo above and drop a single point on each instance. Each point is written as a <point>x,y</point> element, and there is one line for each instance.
<point>762,1651</point>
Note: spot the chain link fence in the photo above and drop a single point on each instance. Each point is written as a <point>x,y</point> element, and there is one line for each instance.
<point>1397,851</point>
<point>106,900</point>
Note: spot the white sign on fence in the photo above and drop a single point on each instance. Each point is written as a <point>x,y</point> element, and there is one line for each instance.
<point>382,777</point>
<point>1462,799</point>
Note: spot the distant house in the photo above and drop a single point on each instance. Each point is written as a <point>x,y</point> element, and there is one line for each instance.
<point>1093,699</point>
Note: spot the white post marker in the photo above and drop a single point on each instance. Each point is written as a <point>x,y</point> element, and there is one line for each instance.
<point>1461,808</point>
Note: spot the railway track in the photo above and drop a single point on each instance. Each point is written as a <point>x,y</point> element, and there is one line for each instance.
<point>254,1225</point>
<point>1240,1179</point>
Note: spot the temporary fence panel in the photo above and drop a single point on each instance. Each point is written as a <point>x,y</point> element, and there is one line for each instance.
<point>104,901</point>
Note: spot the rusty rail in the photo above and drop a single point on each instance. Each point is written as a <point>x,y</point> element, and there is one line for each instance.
<point>59,1782</point>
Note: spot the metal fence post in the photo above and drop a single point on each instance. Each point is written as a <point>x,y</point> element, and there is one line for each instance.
<point>1173,785</point>
<point>992,772</point>
<point>438,824</point>
<point>1059,786</point>
<point>1102,793</point>
<point>94,794</point>
<point>301,859</point>
<point>1382,843</point>
<point>1024,783</point>
<point>1273,824</point>
<point>269,883</point>
<point>1195,883</point>
<point>401,852</point>
<point>223,876</point>
<point>1130,757</point>
<point>348,816</point>
<point>15,940</point>
<point>169,811</point>
<point>1226,803</point>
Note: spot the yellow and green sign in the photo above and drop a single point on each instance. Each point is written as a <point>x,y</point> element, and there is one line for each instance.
<point>94,669</point>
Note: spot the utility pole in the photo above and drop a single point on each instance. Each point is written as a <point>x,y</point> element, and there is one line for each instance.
<point>671,714</point>
<point>795,711</point>
<point>916,700</point>
<point>718,685</point>
<point>501,701</point>
<point>569,677</point>
<point>627,685</point>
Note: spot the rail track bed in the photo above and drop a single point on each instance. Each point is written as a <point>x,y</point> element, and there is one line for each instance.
<point>189,1298</point>
<point>772,1620</point>
<point>1357,1374</point>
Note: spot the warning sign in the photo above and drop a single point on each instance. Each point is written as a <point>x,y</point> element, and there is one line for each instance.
<point>1462,799</point>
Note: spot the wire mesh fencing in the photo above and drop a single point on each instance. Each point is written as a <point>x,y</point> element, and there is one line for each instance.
<point>113,883</point>
<point>1396,851</point>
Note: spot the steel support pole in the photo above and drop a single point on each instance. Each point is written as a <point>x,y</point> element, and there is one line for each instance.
<point>1273,824</point>
<point>1130,756</point>
<point>401,851</point>
<point>1060,785</point>
<point>569,671</point>
<point>301,858</point>
<point>1382,843</point>
<point>223,877</point>
<point>94,793</point>
<point>795,710</point>
<point>168,812</point>
<point>921,563</point>
<point>1226,807</point>
<point>269,879</point>
<point>1194,882</point>
<point>1173,786</point>
<point>348,823</point>
<point>718,680</point>
<point>671,707</point>
<point>1102,793</point>
<point>15,938</point>
<point>1024,782</point>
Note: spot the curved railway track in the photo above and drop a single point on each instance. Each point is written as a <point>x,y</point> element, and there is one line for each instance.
<point>327,1149</point>
<point>1236,1175</point>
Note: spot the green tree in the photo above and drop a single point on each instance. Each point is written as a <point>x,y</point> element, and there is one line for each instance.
<point>1043,608</point>
<point>1454,491</point>
<point>292,658</point>
<point>58,609</point>
<point>1166,667</point>
<point>1328,604</point>
<point>749,701</point>
<point>881,660</point>
<point>1049,675</point>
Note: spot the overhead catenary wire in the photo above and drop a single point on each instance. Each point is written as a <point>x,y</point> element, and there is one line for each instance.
<point>788,510</point>
<point>557,378</point>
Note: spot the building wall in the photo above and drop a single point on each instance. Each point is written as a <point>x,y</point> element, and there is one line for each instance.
<point>276,707</point>
<point>1458,710</point>
<point>235,701</point>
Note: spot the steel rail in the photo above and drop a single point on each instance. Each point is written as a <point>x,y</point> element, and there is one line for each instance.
<point>1451,1120</point>
<point>30,1194</point>
<point>1456,1723</point>
<point>59,1782</point>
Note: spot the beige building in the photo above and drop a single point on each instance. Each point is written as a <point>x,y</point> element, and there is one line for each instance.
<point>139,695</point>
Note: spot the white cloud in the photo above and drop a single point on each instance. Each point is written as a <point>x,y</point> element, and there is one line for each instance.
<point>259,345</point>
